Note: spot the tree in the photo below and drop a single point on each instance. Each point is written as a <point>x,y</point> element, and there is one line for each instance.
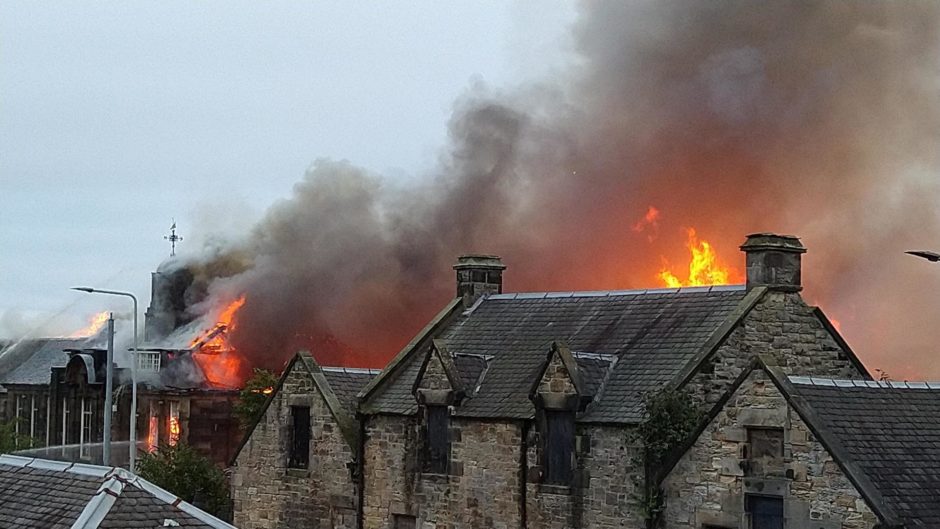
<point>252,398</point>
<point>9,440</point>
<point>192,477</point>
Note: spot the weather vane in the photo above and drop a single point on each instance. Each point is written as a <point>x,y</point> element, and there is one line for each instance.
<point>173,238</point>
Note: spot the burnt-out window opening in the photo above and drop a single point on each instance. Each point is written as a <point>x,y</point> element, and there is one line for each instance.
<point>558,447</point>
<point>764,512</point>
<point>173,425</point>
<point>437,439</point>
<point>299,437</point>
<point>404,521</point>
<point>765,443</point>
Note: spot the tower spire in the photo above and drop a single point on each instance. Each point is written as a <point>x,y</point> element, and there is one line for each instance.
<point>173,238</point>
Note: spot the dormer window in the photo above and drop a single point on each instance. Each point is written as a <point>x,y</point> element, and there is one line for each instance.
<point>437,439</point>
<point>558,447</point>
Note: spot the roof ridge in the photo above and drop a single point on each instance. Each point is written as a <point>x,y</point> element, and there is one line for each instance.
<point>860,383</point>
<point>611,293</point>
<point>113,482</point>
<point>351,370</point>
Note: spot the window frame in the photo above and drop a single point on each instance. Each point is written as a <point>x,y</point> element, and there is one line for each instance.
<point>298,442</point>
<point>748,509</point>
<point>437,442</point>
<point>558,435</point>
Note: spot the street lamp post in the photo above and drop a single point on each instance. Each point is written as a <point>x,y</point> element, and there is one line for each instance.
<point>133,434</point>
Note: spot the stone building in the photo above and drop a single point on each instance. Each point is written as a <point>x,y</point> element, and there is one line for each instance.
<point>516,410</point>
<point>297,467</point>
<point>54,387</point>
<point>810,452</point>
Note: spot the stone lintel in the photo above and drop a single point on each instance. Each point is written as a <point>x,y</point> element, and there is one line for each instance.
<point>436,397</point>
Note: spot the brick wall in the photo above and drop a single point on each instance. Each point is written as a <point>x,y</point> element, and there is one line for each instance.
<point>709,483</point>
<point>267,494</point>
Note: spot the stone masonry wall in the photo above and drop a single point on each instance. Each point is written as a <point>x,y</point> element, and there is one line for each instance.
<point>556,378</point>
<point>605,489</point>
<point>709,483</point>
<point>268,495</point>
<point>482,490</point>
<point>783,329</point>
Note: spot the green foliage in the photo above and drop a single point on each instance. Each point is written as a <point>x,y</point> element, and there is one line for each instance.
<point>9,441</point>
<point>252,397</point>
<point>671,416</point>
<point>182,471</point>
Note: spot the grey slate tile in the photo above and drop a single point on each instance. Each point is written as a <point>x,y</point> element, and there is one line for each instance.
<point>653,334</point>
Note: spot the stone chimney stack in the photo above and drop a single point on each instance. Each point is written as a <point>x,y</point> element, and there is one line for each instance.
<point>478,275</point>
<point>773,261</point>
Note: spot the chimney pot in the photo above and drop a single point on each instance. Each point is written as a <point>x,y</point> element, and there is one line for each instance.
<point>478,275</point>
<point>773,261</point>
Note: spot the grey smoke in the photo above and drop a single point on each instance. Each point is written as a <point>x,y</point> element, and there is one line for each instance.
<point>813,118</point>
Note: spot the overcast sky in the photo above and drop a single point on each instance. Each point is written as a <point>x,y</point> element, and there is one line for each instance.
<point>117,117</point>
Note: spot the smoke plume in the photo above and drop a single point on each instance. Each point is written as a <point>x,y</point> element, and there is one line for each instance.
<point>818,119</point>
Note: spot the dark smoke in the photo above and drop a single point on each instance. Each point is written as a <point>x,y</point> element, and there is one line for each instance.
<point>814,118</point>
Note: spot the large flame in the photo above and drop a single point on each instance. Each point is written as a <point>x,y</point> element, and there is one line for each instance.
<point>95,324</point>
<point>214,353</point>
<point>704,267</point>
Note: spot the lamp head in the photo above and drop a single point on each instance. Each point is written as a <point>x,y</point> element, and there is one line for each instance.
<point>84,289</point>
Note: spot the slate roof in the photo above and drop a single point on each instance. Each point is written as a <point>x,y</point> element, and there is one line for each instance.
<point>471,368</point>
<point>31,361</point>
<point>654,334</point>
<point>347,382</point>
<point>38,493</point>
<point>889,431</point>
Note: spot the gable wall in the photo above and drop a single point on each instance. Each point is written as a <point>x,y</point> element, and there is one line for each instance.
<point>267,494</point>
<point>708,484</point>
<point>783,329</point>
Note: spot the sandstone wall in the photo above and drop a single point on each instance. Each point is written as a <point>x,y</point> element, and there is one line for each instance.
<point>783,329</point>
<point>268,495</point>
<point>709,483</point>
<point>481,491</point>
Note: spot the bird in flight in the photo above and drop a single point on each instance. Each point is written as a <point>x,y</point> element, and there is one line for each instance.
<point>930,256</point>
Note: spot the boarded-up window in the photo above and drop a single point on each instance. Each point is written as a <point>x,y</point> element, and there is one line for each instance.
<point>403,521</point>
<point>437,442</point>
<point>765,512</point>
<point>300,437</point>
<point>558,447</point>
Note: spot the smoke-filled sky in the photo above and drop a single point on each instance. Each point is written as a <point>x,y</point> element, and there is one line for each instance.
<point>117,116</point>
<point>817,119</point>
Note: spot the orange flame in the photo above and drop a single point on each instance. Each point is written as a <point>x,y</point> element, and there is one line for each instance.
<point>95,324</point>
<point>174,430</point>
<point>704,267</point>
<point>217,358</point>
<point>152,433</point>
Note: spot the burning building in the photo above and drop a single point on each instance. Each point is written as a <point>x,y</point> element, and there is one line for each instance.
<point>188,381</point>
<point>519,409</point>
